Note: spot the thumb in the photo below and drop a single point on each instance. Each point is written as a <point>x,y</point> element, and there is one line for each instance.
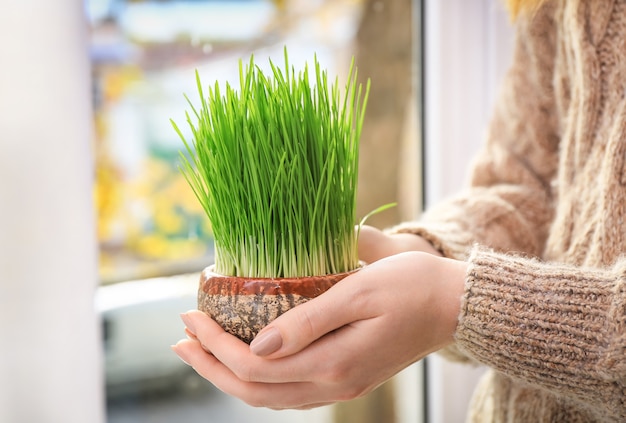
<point>304,324</point>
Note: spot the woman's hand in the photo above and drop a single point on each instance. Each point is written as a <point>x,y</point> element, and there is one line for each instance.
<point>340,345</point>
<point>375,244</point>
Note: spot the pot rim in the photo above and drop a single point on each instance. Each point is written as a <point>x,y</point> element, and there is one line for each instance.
<point>208,272</point>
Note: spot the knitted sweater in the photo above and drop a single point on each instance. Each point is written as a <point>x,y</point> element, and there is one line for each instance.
<point>543,226</point>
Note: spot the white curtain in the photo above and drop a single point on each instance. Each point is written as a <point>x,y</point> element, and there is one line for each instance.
<point>50,358</point>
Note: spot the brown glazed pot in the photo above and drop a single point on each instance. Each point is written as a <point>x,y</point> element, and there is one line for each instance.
<point>243,306</point>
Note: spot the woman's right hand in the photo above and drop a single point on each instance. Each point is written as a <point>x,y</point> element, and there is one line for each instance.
<point>375,244</point>
<point>340,345</point>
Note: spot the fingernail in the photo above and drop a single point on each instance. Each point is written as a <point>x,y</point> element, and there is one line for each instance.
<point>267,342</point>
<point>188,322</point>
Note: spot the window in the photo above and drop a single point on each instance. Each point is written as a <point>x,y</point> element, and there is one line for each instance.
<point>153,235</point>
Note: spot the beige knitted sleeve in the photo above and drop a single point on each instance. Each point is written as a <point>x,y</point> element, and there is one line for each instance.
<point>508,205</point>
<point>556,326</point>
<point>551,325</point>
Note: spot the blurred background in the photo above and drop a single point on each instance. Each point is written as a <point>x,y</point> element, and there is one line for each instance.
<point>90,87</point>
<point>143,56</point>
<point>150,227</point>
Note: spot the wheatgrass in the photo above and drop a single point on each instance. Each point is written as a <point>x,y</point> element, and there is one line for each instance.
<point>274,165</point>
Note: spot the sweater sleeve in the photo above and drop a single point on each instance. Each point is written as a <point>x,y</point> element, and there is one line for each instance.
<point>551,325</point>
<point>508,205</point>
<point>555,326</point>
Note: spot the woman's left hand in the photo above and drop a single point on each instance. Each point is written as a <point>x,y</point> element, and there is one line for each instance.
<point>340,345</point>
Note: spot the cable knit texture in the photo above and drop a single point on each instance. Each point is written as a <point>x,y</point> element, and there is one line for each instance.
<point>542,225</point>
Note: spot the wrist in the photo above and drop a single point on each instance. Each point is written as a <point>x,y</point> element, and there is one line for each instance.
<point>452,288</point>
<point>433,290</point>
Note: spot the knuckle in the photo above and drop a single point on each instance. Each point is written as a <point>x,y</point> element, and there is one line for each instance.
<point>346,381</point>
<point>352,392</point>
<point>306,322</point>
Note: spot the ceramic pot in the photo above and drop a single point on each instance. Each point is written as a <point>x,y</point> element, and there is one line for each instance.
<point>244,306</point>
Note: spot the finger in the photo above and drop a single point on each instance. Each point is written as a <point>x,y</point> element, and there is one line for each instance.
<point>312,406</point>
<point>237,355</point>
<point>199,326</point>
<point>190,334</point>
<point>316,360</point>
<point>305,380</point>
<point>278,396</point>
<point>301,326</point>
<point>205,364</point>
